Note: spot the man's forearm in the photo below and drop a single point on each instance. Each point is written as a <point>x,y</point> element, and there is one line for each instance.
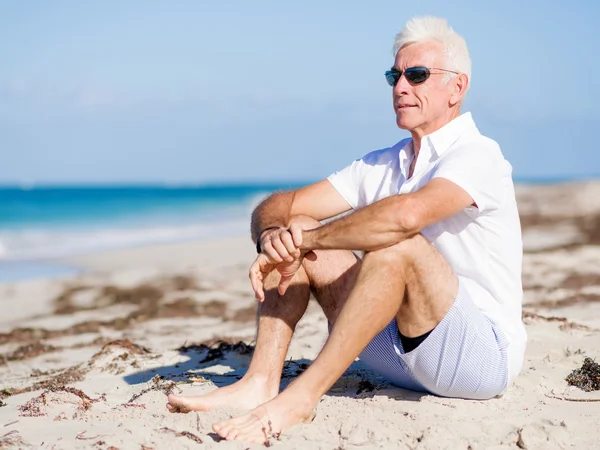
<point>373,227</point>
<point>273,211</point>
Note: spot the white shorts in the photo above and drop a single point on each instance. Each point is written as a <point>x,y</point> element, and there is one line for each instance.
<point>464,356</point>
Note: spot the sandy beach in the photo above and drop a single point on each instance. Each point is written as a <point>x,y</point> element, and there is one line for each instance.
<point>86,361</point>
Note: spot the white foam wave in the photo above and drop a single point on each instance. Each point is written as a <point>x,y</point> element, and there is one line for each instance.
<point>3,250</point>
<point>48,243</point>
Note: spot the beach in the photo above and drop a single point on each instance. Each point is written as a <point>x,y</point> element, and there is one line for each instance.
<point>86,359</point>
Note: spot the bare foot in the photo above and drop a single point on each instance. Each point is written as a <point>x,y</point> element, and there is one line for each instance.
<point>267,421</point>
<point>247,393</point>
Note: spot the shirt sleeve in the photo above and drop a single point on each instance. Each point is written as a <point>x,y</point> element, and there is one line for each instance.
<point>480,170</point>
<point>347,181</point>
<point>350,181</point>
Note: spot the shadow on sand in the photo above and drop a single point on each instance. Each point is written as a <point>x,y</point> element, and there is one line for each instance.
<point>224,363</point>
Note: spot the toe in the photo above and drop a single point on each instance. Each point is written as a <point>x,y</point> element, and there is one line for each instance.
<point>222,429</point>
<point>233,434</point>
<point>253,430</point>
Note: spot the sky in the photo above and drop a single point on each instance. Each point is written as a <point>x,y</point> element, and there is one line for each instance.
<point>210,92</point>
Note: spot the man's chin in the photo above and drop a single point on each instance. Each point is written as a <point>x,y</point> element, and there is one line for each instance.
<point>407,119</point>
<point>403,124</point>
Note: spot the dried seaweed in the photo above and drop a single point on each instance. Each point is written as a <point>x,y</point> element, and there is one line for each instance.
<point>33,408</point>
<point>587,377</point>
<point>133,348</point>
<point>158,385</point>
<point>11,440</point>
<point>31,350</point>
<point>244,315</point>
<point>149,299</point>
<point>186,434</point>
<point>147,295</point>
<point>70,375</point>
<point>292,369</point>
<point>588,227</point>
<point>6,392</point>
<point>565,324</point>
<point>63,303</point>
<point>218,349</point>
<point>566,302</point>
<point>365,386</point>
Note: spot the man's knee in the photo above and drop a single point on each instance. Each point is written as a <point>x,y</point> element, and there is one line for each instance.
<point>326,268</point>
<point>405,251</point>
<point>272,280</point>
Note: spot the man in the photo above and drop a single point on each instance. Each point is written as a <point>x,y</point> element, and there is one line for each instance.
<point>435,304</point>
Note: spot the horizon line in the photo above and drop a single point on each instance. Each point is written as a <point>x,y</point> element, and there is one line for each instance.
<point>547,179</point>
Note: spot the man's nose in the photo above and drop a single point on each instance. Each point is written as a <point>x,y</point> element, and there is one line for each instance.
<point>402,86</point>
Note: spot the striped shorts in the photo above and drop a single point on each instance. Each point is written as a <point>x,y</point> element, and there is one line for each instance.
<point>464,356</point>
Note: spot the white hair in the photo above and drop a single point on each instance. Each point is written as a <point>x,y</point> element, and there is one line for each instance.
<point>423,29</point>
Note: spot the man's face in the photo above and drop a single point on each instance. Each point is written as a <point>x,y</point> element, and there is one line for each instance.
<point>420,107</point>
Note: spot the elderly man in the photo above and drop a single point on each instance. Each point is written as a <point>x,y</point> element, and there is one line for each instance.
<point>435,304</point>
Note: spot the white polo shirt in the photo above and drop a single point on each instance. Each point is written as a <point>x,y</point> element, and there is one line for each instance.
<point>482,244</point>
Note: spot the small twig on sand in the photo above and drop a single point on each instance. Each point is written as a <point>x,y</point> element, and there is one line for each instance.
<point>134,405</point>
<point>197,421</point>
<point>10,433</point>
<point>11,423</point>
<point>570,399</point>
<point>12,439</point>
<point>81,436</point>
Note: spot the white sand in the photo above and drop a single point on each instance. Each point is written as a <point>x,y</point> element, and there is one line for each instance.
<point>212,299</point>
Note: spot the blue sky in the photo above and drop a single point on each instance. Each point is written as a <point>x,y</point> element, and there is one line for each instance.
<point>198,91</point>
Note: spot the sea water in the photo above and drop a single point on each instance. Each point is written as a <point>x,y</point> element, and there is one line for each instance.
<point>40,224</point>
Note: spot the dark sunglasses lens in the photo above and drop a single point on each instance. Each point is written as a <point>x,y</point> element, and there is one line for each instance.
<point>417,75</point>
<point>392,77</point>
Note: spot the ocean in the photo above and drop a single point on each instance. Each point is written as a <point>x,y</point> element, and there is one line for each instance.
<point>38,225</point>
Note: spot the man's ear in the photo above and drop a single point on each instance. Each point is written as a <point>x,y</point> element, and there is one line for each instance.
<point>460,84</point>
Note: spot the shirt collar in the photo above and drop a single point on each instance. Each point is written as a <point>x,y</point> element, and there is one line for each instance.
<point>440,140</point>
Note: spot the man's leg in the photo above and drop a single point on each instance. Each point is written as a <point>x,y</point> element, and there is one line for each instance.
<point>331,277</point>
<point>277,318</point>
<point>410,281</point>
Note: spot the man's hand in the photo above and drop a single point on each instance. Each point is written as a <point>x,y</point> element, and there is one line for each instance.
<point>263,266</point>
<point>282,244</point>
<point>280,251</point>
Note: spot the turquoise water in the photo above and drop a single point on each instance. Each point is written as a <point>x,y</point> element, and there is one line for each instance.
<point>38,225</point>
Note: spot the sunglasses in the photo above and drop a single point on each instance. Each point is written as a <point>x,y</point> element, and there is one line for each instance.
<point>414,75</point>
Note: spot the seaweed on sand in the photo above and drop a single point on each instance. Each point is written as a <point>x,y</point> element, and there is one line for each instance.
<point>158,384</point>
<point>36,406</point>
<point>587,377</point>
<point>186,434</point>
<point>218,349</point>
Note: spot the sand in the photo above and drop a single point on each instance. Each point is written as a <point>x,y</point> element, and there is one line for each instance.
<point>86,361</point>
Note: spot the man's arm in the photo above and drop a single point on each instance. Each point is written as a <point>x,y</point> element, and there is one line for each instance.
<point>319,201</point>
<point>390,220</point>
